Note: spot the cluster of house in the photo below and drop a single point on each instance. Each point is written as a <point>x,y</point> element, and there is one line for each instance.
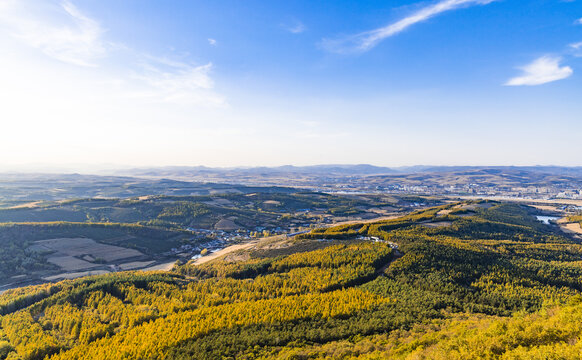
<point>563,191</point>
<point>214,240</point>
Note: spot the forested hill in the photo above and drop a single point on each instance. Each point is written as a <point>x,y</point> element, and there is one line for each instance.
<point>461,281</point>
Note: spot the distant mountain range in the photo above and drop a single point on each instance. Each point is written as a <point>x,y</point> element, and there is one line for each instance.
<point>365,177</point>
<point>201,180</point>
<point>340,169</point>
<point>28,187</point>
<point>361,169</point>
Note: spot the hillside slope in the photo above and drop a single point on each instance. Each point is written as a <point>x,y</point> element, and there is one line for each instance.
<point>469,280</point>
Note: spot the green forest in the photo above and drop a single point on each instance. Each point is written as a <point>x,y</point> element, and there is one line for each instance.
<point>473,280</point>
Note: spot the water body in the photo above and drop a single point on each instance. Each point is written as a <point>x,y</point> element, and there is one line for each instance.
<point>546,219</point>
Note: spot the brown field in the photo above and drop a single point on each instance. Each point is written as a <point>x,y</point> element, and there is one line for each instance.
<point>546,207</point>
<point>572,227</point>
<point>70,263</point>
<point>75,275</point>
<point>83,246</point>
<point>135,265</point>
<point>75,254</point>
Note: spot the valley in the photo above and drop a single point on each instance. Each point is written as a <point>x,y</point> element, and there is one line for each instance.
<point>393,288</point>
<point>50,240</point>
<point>282,272</point>
<point>290,180</point>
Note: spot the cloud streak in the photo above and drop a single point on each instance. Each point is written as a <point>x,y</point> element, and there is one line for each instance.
<point>367,40</point>
<point>577,49</point>
<point>176,82</point>
<point>61,31</point>
<point>297,28</point>
<point>77,40</point>
<point>541,71</point>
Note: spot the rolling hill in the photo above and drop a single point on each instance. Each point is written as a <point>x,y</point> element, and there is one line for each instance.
<point>458,281</point>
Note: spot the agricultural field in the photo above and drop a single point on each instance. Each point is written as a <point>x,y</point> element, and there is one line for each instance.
<point>39,252</point>
<point>72,255</point>
<point>572,225</point>
<point>46,240</point>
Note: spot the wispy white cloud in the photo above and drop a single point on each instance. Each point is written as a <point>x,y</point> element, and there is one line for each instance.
<point>578,22</point>
<point>577,49</point>
<point>541,71</point>
<point>61,31</point>
<point>170,81</point>
<point>366,40</point>
<point>76,40</point>
<point>297,27</point>
<point>212,41</point>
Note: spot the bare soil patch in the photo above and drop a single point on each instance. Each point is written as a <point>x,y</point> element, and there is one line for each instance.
<point>236,256</point>
<point>163,267</point>
<point>226,250</point>
<point>26,205</point>
<point>572,228</point>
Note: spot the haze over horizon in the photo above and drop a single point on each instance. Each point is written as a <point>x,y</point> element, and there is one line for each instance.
<point>141,83</point>
<point>127,170</point>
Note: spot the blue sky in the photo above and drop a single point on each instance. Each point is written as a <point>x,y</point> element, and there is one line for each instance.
<point>105,83</point>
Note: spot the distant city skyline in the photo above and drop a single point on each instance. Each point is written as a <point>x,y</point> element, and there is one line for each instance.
<point>91,84</point>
